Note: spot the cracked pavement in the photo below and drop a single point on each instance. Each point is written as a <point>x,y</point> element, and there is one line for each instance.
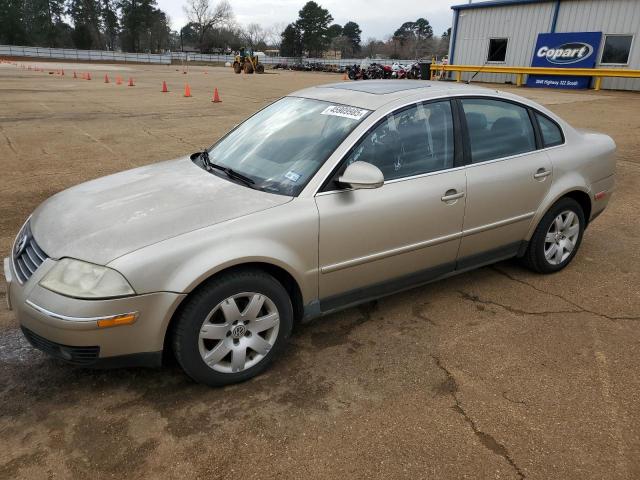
<point>496,373</point>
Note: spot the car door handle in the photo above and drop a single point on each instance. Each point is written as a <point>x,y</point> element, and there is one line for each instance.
<point>541,173</point>
<point>451,195</point>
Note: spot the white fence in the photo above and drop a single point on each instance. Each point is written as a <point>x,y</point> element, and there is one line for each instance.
<point>198,57</point>
<point>165,59</point>
<point>85,55</point>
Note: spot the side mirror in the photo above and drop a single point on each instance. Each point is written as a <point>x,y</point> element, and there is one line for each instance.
<point>362,175</point>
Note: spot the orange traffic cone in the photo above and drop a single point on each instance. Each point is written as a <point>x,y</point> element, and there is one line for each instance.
<point>131,84</point>
<point>88,76</point>
<point>187,90</point>
<point>164,87</point>
<point>118,80</point>
<point>106,78</point>
<point>216,96</point>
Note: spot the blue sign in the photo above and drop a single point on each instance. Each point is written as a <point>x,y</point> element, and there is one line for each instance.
<point>564,50</point>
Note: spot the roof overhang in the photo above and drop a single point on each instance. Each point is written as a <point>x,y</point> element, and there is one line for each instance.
<point>498,3</point>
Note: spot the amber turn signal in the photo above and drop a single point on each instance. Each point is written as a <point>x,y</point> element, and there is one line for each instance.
<point>118,320</point>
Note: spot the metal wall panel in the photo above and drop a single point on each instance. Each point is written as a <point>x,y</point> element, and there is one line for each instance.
<point>611,16</point>
<point>522,23</point>
<point>519,23</point>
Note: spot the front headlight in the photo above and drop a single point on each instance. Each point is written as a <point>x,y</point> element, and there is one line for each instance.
<point>75,278</point>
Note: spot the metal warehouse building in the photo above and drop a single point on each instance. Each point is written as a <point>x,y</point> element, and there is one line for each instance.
<point>506,33</point>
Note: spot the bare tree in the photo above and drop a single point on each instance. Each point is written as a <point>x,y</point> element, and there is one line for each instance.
<point>254,34</point>
<point>206,17</point>
<point>274,34</point>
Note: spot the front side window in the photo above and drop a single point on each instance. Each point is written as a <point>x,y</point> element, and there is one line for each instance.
<point>497,50</point>
<point>281,147</point>
<point>616,49</point>
<point>413,141</point>
<point>497,129</point>
<point>551,133</point>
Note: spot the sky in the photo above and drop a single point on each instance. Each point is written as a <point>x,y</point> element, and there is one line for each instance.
<point>377,18</point>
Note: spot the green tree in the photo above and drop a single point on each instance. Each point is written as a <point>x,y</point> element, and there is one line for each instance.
<point>352,31</point>
<point>422,29</point>
<point>135,19</point>
<point>110,24</point>
<point>42,20</point>
<point>291,44</point>
<point>189,36</point>
<point>85,15</point>
<point>334,31</point>
<point>405,33</point>
<point>12,26</point>
<point>314,22</point>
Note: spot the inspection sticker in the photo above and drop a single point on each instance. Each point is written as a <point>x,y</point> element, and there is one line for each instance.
<point>344,111</point>
<point>293,176</point>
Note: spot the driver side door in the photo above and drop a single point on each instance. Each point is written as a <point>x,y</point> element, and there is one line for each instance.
<point>376,241</point>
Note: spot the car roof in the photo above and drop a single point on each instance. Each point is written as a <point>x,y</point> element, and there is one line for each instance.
<point>373,94</point>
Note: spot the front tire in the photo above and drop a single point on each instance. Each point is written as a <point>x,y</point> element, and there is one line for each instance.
<point>557,237</point>
<point>231,328</point>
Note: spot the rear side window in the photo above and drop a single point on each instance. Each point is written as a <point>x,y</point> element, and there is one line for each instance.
<point>410,142</point>
<point>497,129</point>
<point>551,133</point>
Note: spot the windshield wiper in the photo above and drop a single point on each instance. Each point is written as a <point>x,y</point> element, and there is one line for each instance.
<point>231,173</point>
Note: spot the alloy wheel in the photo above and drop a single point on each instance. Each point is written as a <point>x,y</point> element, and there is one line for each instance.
<point>561,238</point>
<point>239,332</point>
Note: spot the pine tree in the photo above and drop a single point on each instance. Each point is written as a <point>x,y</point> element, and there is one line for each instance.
<point>314,22</point>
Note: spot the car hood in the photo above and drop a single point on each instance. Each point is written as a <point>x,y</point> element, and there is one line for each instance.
<point>102,219</point>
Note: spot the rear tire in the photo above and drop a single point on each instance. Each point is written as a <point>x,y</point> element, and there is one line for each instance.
<point>557,237</point>
<point>260,68</point>
<point>232,328</point>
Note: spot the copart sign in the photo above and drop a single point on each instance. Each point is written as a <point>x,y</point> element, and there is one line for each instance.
<point>565,50</point>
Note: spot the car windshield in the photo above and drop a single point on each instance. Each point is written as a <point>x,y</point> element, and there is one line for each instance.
<point>281,147</point>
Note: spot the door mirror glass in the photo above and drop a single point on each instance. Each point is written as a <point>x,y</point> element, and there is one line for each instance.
<point>362,175</point>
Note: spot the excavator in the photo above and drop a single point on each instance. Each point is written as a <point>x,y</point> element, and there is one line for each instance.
<point>247,61</point>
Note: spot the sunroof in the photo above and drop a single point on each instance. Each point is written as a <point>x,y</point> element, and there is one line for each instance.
<point>378,87</point>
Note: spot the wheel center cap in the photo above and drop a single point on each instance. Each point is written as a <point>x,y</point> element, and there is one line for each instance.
<point>238,331</point>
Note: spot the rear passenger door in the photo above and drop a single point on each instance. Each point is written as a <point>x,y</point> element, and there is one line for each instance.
<point>507,178</point>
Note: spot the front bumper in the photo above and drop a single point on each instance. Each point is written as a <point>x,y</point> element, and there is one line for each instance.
<point>67,328</point>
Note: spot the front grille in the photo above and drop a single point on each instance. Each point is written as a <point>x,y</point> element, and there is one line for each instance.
<point>74,355</point>
<point>27,255</point>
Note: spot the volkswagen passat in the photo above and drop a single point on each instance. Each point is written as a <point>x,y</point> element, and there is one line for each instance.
<point>329,197</point>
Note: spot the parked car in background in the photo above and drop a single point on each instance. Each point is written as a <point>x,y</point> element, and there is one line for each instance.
<point>329,197</point>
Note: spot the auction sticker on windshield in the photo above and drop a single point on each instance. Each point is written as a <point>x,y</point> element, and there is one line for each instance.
<point>344,111</point>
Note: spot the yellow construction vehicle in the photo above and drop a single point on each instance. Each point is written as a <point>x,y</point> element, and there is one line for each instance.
<point>248,62</point>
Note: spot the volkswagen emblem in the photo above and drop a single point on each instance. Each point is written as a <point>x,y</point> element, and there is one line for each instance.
<point>238,331</point>
<point>21,244</point>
